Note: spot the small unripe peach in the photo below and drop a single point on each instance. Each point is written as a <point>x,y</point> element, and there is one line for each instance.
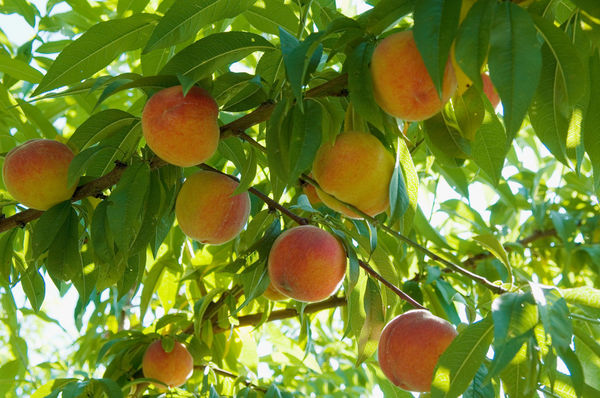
<point>311,192</point>
<point>171,368</point>
<point>183,131</point>
<point>207,211</point>
<point>35,173</point>
<point>273,294</point>
<point>402,85</point>
<point>356,169</point>
<point>410,346</point>
<point>307,263</point>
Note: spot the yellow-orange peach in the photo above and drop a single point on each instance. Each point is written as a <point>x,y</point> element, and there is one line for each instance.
<point>490,90</point>
<point>35,173</point>
<point>356,169</point>
<point>410,346</point>
<point>402,86</point>
<point>171,368</point>
<point>306,263</point>
<point>181,130</point>
<point>273,294</point>
<point>311,192</point>
<point>207,211</point>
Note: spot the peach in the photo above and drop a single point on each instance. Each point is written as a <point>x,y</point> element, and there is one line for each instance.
<point>311,192</point>
<point>273,294</point>
<point>35,173</point>
<point>401,83</point>
<point>356,169</point>
<point>171,368</point>
<point>183,131</point>
<point>306,263</point>
<point>490,90</point>
<point>410,346</point>
<point>207,211</point>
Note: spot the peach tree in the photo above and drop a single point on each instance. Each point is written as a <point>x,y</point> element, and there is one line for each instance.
<point>242,194</point>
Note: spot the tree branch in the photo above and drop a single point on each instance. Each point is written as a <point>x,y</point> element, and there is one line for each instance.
<point>333,87</point>
<point>255,319</point>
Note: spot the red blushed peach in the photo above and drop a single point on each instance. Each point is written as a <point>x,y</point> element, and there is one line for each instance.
<point>272,294</point>
<point>490,90</point>
<point>171,368</point>
<point>181,130</point>
<point>306,263</point>
<point>410,346</point>
<point>207,211</point>
<point>356,169</point>
<point>35,173</point>
<point>401,83</point>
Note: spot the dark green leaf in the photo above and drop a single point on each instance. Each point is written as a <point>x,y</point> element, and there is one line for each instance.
<point>490,146</point>
<point>374,322</point>
<point>95,49</point>
<point>64,258</point>
<point>436,23</point>
<point>515,62</point>
<point>48,226</point>
<point>185,18</point>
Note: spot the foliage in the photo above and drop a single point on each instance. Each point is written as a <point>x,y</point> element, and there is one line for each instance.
<point>504,241</point>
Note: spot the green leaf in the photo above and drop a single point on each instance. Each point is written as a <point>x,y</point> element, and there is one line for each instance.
<point>202,58</point>
<point>246,164</point>
<point>19,69</point>
<point>100,126</point>
<point>101,237</point>
<point>384,14</point>
<point>591,120</point>
<point>270,15</point>
<point>32,283</point>
<point>399,201</point>
<point>64,258</point>
<point>82,160</point>
<point>490,146</point>
<point>590,6</point>
<point>568,62</point>
<point>582,296</point>
<point>515,62</point>
<point>479,389</point>
<point>37,118</point>
<point>424,228</point>
<point>185,18</point>
<point>462,359</point>
<point>374,322</point>
<point>6,254</point>
<point>151,281</point>
<point>360,84</point>
<point>305,138</point>
<point>445,141</point>
<point>110,387</point>
<point>548,115</point>
<point>460,210</point>
<point>46,229</point>
<point>469,110</point>
<point>436,23</point>
<point>126,204</point>
<point>134,5</point>
<point>95,49</point>
<point>514,315</point>
<point>473,39</point>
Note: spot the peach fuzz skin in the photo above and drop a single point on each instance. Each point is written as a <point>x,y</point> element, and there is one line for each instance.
<point>206,210</point>
<point>401,83</point>
<point>272,294</point>
<point>410,346</point>
<point>35,173</point>
<point>356,169</point>
<point>172,368</point>
<point>183,131</point>
<point>307,263</point>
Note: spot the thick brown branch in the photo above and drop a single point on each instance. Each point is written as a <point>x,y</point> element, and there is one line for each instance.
<point>255,319</point>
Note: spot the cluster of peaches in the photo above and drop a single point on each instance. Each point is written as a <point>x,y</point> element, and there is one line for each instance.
<point>305,263</point>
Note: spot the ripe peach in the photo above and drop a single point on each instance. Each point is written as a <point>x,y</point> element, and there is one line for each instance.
<point>311,192</point>
<point>181,130</point>
<point>306,263</point>
<point>172,368</point>
<point>401,83</point>
<point>356,169</point>
<point>273,294</point>
<point>490,90</point>
<point>410,346</point>
<point>207,211</point>
<point>35,173</point>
